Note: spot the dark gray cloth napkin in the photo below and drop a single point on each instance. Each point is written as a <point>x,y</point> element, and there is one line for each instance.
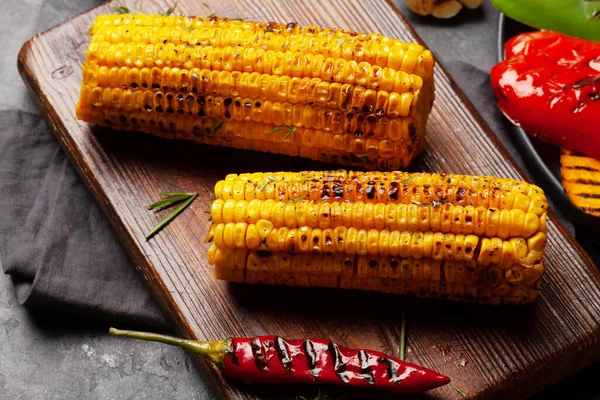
<point>59,248</point>
<point>55,242</point>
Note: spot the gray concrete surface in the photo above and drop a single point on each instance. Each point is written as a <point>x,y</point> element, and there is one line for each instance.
<point>50,356</point>
<point>54,357</point>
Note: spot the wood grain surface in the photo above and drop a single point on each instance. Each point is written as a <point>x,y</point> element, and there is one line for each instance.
<point>489,352</point>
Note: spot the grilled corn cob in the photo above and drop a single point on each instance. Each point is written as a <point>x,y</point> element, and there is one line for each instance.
<point>437,235</point>
<point>324,94</point>
<point>581,180</point>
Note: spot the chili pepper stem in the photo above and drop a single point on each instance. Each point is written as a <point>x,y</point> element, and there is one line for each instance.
<point>215,351</point>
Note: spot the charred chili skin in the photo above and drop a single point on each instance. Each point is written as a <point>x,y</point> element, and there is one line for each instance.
<point>273,360</point>
<point>549,84</point>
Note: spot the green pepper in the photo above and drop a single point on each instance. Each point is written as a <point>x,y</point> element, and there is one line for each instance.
<point>577,18</point>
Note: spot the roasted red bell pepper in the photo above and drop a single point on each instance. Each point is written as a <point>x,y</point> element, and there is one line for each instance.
<point>549,84</point>
<point>273,360</point>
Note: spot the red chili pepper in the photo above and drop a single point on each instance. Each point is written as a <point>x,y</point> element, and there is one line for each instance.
<point>273,360</point>
<point>549,84</point>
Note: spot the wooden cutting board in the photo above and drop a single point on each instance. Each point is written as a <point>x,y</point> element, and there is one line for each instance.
<point>489,352</point>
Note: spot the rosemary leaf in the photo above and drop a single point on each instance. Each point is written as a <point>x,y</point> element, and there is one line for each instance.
<point>171,194</point>
<point>189,28</point>
<point>216,128</point>
<point>212,14</point>
<point>276,130</point>
<point>340,42</point>
<point>402,348</point>
<point>291,131</point>
<point>264,185</point>
<point>362,157</point>
<point>205,4</point>
<point>121,10</point>
<point>417,202</point>
<point>168,202</point>
<point>460,391</point>
<point>237,52</point>
<point>410,178</point>
<point>268,178</point>
<point>297,200</point>
<point>171,9</point>
<point>170,217</point>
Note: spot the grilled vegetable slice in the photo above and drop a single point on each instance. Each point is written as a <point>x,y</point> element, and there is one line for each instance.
<point>581,180</point>
<point>438,235</point>
<point>324,94</point>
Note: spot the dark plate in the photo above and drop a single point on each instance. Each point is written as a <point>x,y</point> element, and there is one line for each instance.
<point>543,160</point>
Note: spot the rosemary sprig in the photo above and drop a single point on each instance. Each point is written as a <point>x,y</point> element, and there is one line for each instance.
<point>291,130</point>
<point>209,214</point>
<point>410,178</point>
<point>171,194</point>
<point>267,179</point>
<point>212,14</point>
<point>276,130</point>
<point>320,396</point>
<point>298,199</point>
<point>169,201</point>
<point>171,9</point>
<point>121,10</point>
<point>361,157</point>
<point>417,202</point>
<point>402,348</point>
<point>460,391</point>
<point>216,128</point>
<point>172,198</point>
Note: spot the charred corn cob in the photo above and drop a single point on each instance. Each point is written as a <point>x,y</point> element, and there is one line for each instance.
<point>324,94</point>
<point>581,180</point>
<point>437,235</point>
